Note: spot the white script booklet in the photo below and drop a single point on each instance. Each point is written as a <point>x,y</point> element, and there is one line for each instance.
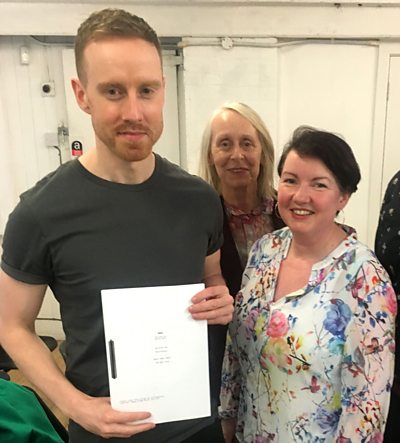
<point>157,354</point>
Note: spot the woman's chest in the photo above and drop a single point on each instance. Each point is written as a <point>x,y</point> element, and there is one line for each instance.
<point>299,333</point>
<point>293,275</point>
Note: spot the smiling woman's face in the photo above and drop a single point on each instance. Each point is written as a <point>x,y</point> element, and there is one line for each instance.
<point>235,151</point>
<point>309,196</point>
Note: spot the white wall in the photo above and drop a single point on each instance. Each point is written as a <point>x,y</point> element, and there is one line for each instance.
<point>333,84</point>
<point>205,18</point>
<point>213,75</point>
<point>333,87</point>
<point>330,86</point>
<point>25,117</point>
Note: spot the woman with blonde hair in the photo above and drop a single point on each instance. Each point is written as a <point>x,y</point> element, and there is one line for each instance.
<point>237,159</point>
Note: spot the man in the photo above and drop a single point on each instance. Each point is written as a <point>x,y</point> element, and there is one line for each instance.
<point>133,219</point>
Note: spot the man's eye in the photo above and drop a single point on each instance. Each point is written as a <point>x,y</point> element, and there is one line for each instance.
<point>113,92</point>
<point>147,92</point>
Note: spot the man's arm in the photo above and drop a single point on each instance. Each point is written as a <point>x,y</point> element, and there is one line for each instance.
<point>214,303</point>
<point>19,306</point>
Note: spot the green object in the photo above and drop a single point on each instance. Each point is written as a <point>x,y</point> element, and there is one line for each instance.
<point>22,417</point>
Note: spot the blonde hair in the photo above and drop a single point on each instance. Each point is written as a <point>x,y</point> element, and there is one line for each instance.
<point>207,171</point>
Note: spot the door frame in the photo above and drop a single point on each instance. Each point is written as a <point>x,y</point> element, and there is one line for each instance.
<point>376,187</point>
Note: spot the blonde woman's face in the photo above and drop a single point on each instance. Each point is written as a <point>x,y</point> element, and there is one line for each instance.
<point>235,151</point>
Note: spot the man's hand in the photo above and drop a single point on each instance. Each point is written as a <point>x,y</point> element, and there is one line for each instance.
<point>213,304</point>
<point>97,416</point>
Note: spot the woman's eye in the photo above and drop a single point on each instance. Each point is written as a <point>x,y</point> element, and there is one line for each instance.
<point>247,144</point>
<point>288,181</point>
<point>320,185</point>
<point>224,144</point>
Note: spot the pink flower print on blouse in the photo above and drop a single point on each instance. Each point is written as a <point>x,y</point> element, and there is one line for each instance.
<point>377,438</point>
<point>261,439</point>
<point>276,350</point>
<point>391,302</point>
<point>278,325</point>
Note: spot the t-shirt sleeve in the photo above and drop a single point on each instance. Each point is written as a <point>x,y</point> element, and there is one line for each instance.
<point>26,256</point>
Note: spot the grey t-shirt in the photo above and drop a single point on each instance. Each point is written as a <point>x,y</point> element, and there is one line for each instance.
<point>79,234</point>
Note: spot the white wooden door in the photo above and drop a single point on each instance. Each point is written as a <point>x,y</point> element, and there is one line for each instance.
<point>391,151</point>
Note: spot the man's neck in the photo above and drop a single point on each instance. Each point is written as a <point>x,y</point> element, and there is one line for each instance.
<point>117,170</point>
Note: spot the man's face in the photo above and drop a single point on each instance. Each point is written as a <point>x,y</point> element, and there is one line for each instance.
<point>123,91</point>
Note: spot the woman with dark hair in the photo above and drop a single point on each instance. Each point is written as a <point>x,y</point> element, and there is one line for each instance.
<point>310,354</point>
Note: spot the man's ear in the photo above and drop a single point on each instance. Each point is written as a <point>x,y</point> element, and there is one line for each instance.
<point>80,95</point>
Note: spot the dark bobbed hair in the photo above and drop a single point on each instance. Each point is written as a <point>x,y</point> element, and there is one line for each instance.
<point>111,23</point>
<point>330,149</point>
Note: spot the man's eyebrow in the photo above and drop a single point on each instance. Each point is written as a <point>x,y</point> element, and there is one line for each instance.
<point>152,83</point>
<point>146,84</point>
<point>105,85</point>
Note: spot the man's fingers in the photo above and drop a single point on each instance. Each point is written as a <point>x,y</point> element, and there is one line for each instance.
<point>213,304</point>
<point>210,292</point>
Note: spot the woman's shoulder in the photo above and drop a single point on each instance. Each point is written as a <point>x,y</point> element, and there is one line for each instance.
<point>270,244</point>
<point>278,235</point>
<point>361,266</point>
<point>357,252</point>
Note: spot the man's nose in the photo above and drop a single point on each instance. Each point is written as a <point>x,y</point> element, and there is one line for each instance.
<point>133,108</point>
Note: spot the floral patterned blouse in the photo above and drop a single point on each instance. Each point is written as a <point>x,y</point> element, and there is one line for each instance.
<point>317,365</point>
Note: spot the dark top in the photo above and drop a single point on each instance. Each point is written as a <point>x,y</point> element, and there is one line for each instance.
<point>387,246</point>
<point>79,234</point>
<point>231,266</point>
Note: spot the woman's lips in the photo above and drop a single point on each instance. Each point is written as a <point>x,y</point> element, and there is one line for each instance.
<point>302,212</point>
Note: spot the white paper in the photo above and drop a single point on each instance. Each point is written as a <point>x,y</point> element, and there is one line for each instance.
<point>160,352</point>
